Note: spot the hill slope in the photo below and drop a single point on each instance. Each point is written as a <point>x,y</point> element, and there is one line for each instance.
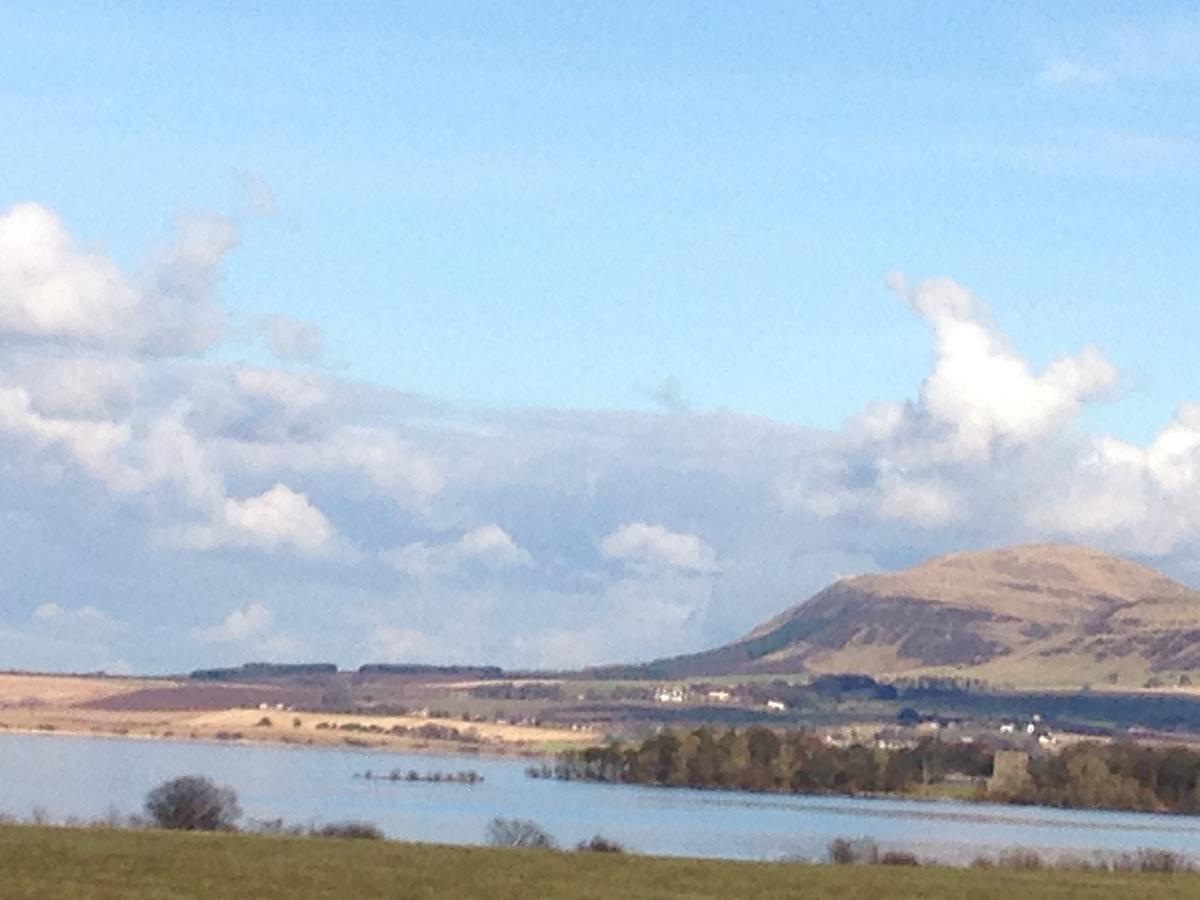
<point>1042,615</point>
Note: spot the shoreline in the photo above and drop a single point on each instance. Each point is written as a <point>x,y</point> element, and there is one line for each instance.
<point>433,747</point>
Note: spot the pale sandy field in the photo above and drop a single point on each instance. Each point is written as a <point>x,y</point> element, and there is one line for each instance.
<point>56,704</point>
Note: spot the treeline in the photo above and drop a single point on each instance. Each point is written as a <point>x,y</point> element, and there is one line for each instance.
<point>422,670</point>
<point>507,690</point>
<point>1091,776</point>
<point>254,671</point>
<point>762,759</point>
<point>1122,776</point>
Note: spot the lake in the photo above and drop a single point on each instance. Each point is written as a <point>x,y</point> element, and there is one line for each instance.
<point>88,777</point>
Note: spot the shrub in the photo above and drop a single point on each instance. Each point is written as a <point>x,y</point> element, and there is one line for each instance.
<point>264,722</point>
<point>519,833</point>
<point>1162,862</point>
<point>349,830</point>
<point>846,852</point>
<point>1021,859</point>
<point>899,858</point>
<point>599,844</point>
<point>193,803</point>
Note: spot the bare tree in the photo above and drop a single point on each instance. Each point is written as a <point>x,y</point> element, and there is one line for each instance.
<point>519,833</point>
<point>193,803</point>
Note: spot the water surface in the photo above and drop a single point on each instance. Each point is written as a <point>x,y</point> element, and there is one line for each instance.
<point>87,777</point>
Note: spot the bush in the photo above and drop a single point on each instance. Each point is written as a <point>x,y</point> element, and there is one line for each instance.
<point>1162,862</point>
<point>599,844</point>
<point>1021,859</point>
<point>193,803</point>
<point>899,858</point>
<point>363,831</point>
<point>519,833</point>
<point>846,852</point>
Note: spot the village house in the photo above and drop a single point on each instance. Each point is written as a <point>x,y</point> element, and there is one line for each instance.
<point>671,694</point>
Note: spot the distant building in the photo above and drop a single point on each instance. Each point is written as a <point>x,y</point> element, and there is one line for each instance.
<point>670,695</point>
<point>719,696</point>
<point>1010,772</point>
<point>776,706</point>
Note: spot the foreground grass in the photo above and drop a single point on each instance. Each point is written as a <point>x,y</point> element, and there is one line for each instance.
<point>66,863</point>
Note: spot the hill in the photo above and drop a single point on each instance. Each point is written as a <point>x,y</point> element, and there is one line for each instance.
<point>1039,615</point>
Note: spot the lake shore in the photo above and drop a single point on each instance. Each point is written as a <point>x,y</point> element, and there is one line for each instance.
<point>92,707</point>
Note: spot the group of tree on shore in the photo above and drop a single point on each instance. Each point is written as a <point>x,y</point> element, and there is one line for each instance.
<point>1121,776</point>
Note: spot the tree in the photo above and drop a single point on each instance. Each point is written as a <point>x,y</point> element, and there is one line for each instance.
<point>520,833</point>
<point>193,803</point>
<point>599,844</point>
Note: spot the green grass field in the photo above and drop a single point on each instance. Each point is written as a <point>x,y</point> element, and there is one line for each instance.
<point>128,865</point>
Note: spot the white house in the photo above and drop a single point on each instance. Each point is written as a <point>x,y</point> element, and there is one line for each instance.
<point>719,696</point>
<point>776,706</point>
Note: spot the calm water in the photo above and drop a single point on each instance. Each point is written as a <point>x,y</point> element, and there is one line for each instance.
<point>87,777</point>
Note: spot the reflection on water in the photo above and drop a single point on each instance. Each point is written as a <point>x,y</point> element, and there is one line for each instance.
<point>87,777</point>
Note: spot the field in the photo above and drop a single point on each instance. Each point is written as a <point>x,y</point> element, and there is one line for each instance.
<point>53,863</point>
<point>188,710</point>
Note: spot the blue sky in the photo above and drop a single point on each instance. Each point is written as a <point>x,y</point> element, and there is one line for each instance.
<point>508,213</point>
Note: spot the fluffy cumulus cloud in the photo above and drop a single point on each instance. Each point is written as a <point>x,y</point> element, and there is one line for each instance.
<point>51,288</point>
<point>251,628</point>
<point>278,518</point>
<point>642,542</point>
<point>981,392</point>
<point>488,547</point>
<point>981,425</point>
<point>156,483</point>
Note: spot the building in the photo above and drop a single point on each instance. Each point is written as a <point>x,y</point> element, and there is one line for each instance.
<point>1010,772</point>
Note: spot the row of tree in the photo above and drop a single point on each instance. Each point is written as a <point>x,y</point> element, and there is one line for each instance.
<point>763,759</point>
<point>1097,776</point>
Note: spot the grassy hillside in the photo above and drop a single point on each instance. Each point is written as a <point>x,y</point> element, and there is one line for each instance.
<point>46,863</point>
<point>1043,616</point>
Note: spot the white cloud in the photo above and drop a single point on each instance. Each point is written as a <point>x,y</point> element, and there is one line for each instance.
<point>278,518</point>
<point>251,621</point>
<point>95,445</point>
<point>921,502</point>
<point>84,616</point>
<point>1143,499</point>
<point>643,542</point>
<point>981,391</point>
<point>488,547</point>
<point>107,442</point>
<point>52,289</point>
<point>252,629</point>
<point>400,470</point>
<point>396,644</point>
<point>77,384</point>
<point>292,340</point>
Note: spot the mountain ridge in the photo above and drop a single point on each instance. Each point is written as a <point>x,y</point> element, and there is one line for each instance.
<point>1049,615</point>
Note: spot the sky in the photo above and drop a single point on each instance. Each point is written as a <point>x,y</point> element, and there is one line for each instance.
<point>557,334</point>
